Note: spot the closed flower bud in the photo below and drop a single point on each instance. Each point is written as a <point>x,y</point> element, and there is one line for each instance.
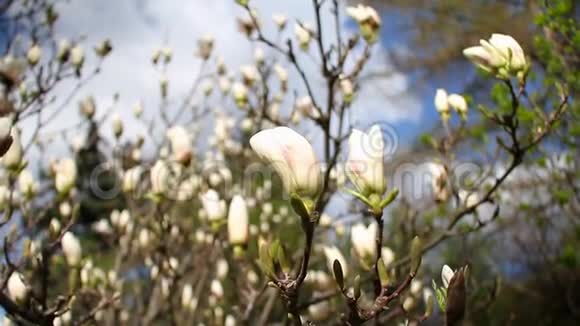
<point>104,48</point>
<point>446,275</point>
<point>217,289</point>
<point>205,46</point>
<point>249,75</point>
<point>34,54</point>
<point>16,287</point>
<point>63,52</point>
<point>441,103</point>
<point>5,137</point>
<point>364,166</point>
<point>458,103</point>
<point>238,221</point>
<point>77,57</point>
<point>363,242</point>
<point>282,76</point>
<point>138,110</point>
<point>13,157</point>
<point>117,125</point>
<point>181,144</point>
<point>131,178</point>
<point>71,248</point>
<point>65,175</point>
<point>240,94</point>
<point>303,35</point>
<point>87,107</point>
<point>293,158</point>
<point>28,186</point>
<point>280,20</point>
<point>347,89</point>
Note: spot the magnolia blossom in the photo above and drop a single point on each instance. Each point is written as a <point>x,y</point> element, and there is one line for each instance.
<point>33,55</point>
<point>16,287</point>
<point>205,46</point>
<point>65,175</point>
<point>77,57</point>
<point>131,178</point>
<point>387,255</point>
<point>441,102</point>
<point>347,89</point>
<point>305,106</point>
<point>249,74</point>
<point>63,51</point>
<point>181,144</point>
<point>458,103</point>
<point>87,107</point>
<point>138,110</point>
<point>27,184</point>
<point>364,166</point>
<point>71,247</point>
<point>214,207</point>
<point>332,253</point>
<point>446,275</point>
<point>13,157</point>
<point>186,295</point>
<point>238,221</point>
<point>12,69</point>
<point>117,125</point>
<point>160,178</point>
<point>439,182</point>
<point>240,94</point>
<point>293,158</point>
<point>499,52</point>
<point>303,35</point>
<point>368,20</point>
<point>280,20</point>
<point>363,240</point>
<point>217,289</point>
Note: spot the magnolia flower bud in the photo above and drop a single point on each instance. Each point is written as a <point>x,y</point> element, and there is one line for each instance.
<point>240,94</point>
<point>16,287</point>
<point>65,175</point>
<point>283,76</point>
<point>214,207</point>
<point>446,275</point>
<point>363,242</point>
<point>442,104</point>
<point>303,35</point>
<point>28,186</point>
<point>87,107</point>
<point>131,178</point>
<point>186,295</point>
<point>305,106</point>
<point>364,166</point>
<point>102,226</point>
<point>230,321</point>
<point>164,86</point>
<point>458,103</point>
<point>77,57</point>
<point>138,110</point>
<point>13,157</point>
<point>439,182</point>
<point>368,20</point>
<point>332,253</point>
<point>217,289</point>
<point>5,131</point>
<point>117,125</point>
<point>259,56</point>
<point>280,20</point>
<point>63,52</point>
<point>501,55</point>
<point>104,48</point>
<point>347,89</point>
<point>387,255</point>
<point>54,227</point>
<point>71,248</point>
<point>167,53</point>
<point>293,158</point>
<point>205,46</point>
<point>238,221</point>
<point>33,55</point>
<point>11,70</point>
<point>181,144</point>
<point>224,85</point>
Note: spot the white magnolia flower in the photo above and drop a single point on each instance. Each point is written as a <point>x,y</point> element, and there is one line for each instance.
<point>71,247</point>
<point>5,127</point>
<point>34,54</point>
<point>138,110</point>
<point>363,241</point>
<point>303,35</point>
<point>27,184</point>
<point>238,221</point>
<point>332,253</point>
<point>280,20</point>
<point>446,275</point>
<point>293,158</point>
<point>249,74</point>
<point>500,51</point>
<point>458,103</point>
<point>161,178</point>
<point>347,89</point>
<point>364,166</point>
<point>77,57</point>
<point>214,207</point>
<point>102,226</point>
<point>240,94</point>
<point>439,182</point>
<point>65,175</point>
<point>117,125</point>
<point>186,295</point>
<point>388,255</point>
<point>305,106</point>
<point>441,102</point>
<point>205,46</point>
<point>217,289</point>
<point>16,287</point>
<point>13,157</point>
<point>87,107</point>
<point>181,144</point>
<point>368,19</point>
<point>131,178</point>
<point>63,51</point>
